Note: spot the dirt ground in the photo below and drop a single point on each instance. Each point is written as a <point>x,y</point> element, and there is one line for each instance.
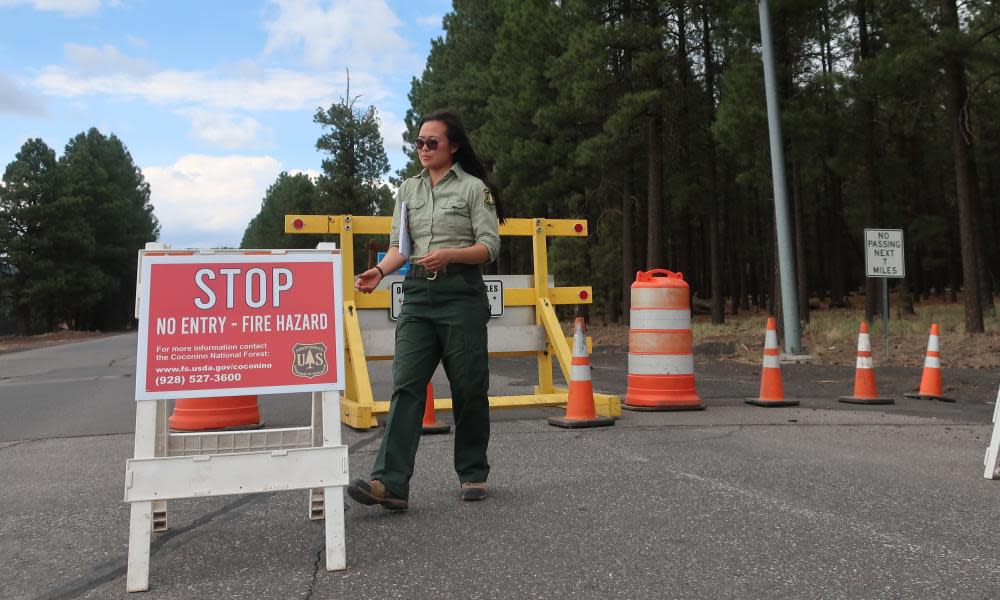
<point>831,335</point>
<point>13,343</point>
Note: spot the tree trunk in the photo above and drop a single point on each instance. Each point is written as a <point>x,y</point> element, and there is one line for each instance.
<point>23,320</point>
<point>627,264</point>
<point>654,239</point>
<point>801,270</point>
<point>965,174</point>
<point>905,297</point>
<point>871,186</point>
<point>715,212</point>
<point>832,186</point>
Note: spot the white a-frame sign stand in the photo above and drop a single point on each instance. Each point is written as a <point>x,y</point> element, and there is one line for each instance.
<point>169,466</point>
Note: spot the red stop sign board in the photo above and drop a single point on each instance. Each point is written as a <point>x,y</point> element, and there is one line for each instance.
<point>230,324</point>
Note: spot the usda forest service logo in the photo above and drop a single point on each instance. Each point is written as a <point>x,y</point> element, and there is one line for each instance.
<point>309,360</point>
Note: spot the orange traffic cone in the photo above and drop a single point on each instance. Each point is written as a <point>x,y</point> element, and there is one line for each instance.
<point>930,381</point>
<point>226,412</point>
<point>580,402</point>
<point>431,424</point>
<point>864,374</point>
<point>771,391</point>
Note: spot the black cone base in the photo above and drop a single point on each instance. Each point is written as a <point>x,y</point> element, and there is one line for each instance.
<point>581,423</point>
<point>856,400</point>
<point>919,396</point>
<point>663,408</point>
<point>766,402</point>
<point>435,428</point>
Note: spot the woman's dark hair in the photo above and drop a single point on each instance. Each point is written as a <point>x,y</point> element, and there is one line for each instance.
<point>465,156</point>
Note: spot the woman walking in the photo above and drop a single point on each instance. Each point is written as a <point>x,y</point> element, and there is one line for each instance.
<point>453,218</point>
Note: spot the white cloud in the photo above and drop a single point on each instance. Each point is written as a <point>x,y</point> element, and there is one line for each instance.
<point>136,41</point>
<point>245,86</point>
<point>311,173</point>
<point>18,101</point>
<point>392,129</point>
<point>355,33</point>
<point>91,60</point>
<point>225,129</point>
<point>207,201</point>
<point>431,21</point>
<point>71,8</point>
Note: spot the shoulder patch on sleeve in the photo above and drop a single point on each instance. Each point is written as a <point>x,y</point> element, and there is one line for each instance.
<point>488,199</point>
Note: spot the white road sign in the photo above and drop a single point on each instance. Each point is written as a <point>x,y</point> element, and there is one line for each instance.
<point>884,253</point>
<point>494,292</point>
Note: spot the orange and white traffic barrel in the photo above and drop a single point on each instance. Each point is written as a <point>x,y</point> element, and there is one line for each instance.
<point>660,357</point>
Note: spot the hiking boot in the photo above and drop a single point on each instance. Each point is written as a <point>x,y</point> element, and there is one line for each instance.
<point>373,492</point>
<point>472,492</point>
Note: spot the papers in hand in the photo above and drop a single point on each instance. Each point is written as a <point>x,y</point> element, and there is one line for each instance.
<point>405,243</point>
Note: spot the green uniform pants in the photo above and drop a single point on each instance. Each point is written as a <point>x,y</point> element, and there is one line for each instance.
<point>442,320</point>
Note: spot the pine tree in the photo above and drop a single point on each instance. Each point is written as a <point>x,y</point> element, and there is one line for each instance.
<point>108,193</point>
<point>288,195</point>
<point>31,186</point>
<point>351,182</point>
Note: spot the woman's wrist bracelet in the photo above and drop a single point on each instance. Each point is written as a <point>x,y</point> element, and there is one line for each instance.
<point>380,271</point>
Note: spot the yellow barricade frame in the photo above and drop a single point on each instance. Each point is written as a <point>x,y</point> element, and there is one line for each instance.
<point>358,406</point>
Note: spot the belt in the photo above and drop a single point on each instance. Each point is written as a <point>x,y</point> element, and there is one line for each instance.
<point>421,272</point>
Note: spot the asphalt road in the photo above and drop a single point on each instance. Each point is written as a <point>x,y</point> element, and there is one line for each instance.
<point>824,500</point>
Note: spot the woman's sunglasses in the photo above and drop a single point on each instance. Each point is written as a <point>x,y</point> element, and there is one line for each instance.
<point>432,144</point>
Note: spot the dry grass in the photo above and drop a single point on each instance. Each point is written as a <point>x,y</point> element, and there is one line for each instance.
<point>833,336</point>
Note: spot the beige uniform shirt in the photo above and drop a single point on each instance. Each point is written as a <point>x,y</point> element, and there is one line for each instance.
<point>456,213</point>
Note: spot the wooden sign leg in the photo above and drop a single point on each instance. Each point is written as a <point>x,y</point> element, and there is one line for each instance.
<point>336,549</point>
<point>317,505</point>
<point>140,528</point>
<point>162,441</point>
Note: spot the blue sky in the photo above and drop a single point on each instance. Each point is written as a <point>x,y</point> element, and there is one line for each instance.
<point>212,98</point>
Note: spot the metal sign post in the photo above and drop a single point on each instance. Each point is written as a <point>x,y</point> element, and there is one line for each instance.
<point>884,259</point>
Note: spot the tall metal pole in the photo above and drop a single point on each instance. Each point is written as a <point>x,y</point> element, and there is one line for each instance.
<point>786,262</point>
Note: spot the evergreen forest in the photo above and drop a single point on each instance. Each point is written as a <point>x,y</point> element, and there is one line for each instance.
<point>648,118</point>
<point>70,231</point>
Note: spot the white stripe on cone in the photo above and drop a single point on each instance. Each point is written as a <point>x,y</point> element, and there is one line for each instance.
<point>933,362</point>
<point>933,344</point>
<point>660,364</point>
<point>580,372</point>
<point>771,362</point>
<point>579,344</point>
<point>864,343</point>
<point>771,340</point>
<point>865,362</point>
<point>657,318</point>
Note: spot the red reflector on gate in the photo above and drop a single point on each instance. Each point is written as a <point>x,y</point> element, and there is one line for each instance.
<point>578,228</point>
<point>298,224</point>
<point>584,295</point>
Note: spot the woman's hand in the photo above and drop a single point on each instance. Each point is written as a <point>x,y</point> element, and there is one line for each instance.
<point>367,281</point>
<point>437,260</point>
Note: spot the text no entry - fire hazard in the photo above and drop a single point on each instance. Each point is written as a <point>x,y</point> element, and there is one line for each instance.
<point>222,325</point>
